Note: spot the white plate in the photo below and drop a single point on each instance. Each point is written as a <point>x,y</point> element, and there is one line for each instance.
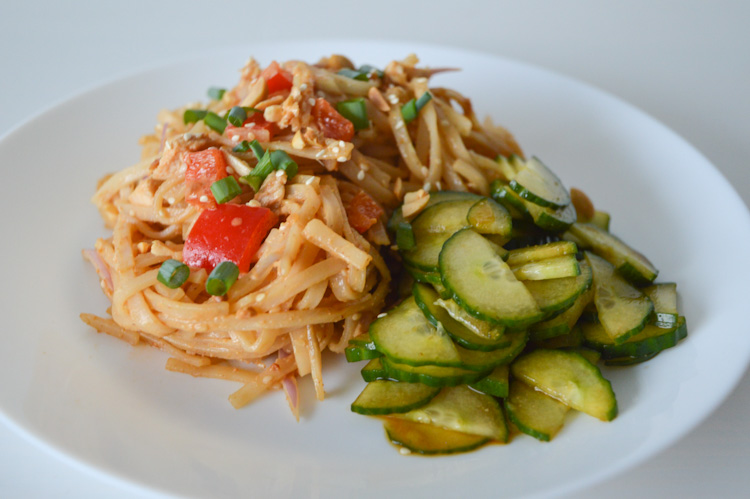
<point>114,409</point>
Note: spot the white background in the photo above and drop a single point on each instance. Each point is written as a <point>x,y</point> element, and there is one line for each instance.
<point>687,63</point>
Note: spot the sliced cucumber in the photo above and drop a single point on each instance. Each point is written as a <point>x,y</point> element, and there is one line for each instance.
<point>405,336</point>
<point>652,340</point>
<point>381,397</point>
<point>511,201</point>
<point>476,326</point>
<point>564,322</point>
<point>427,298</point>
<point>483,284</point>
<point>475,360</point>
<point>538,184</point>
<point>355,353</point>
<point>429,439</point>
<point>629,361</point>
<point>423,276</point>
<point>431,375</point>
<point>462,409</point>
<point>435,198</point>
<point>572,339</point>
<point>432,228</point>
<point>533,412</point>
<point>601,219</point>
<point>622,309</point>
<point>633,265</point>
<point>495,383</point>
<point>554,220</point>
<point>568,377</point>
<point>664,297</point>
<point>551,268</point>
<point>374,370</point>
<point>539,252</point>
<point>554,295</point>
<point>488,217</point>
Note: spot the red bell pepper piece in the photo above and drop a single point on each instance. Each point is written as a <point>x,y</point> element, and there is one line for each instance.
<point>331,123</point>
<point>203,169</point>
<point>232,232</point>
<point>259,129</point>
<point>363,212</point>
<point>277,79</point>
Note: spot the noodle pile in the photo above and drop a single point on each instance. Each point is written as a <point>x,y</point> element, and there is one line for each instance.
<point>317,281</point>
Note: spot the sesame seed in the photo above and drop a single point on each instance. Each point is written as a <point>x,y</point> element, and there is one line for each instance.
<point>361,175</point>
<point>399,125</point>
<point>279,173</point>
<point>266,380</point>
<point>170,200</point>
<point>439,186</point>
<point>230,170</point>
<point>235,138</point>
<point>260,297</point>
<point>356,317</point>
<point>342,143</point>
<point>236,222</point>
<point>425,171</point>
<point>427,187</point>
<point>320,153</point>
<point>204,199</point>
<point>303,87</point>
<point>310,180</point>
<point>404,451</point>
<point>380,316</point>
<point>341,159</point>
<point>311,101</point>
<point>253,202</point>
<point>335,150</point>
<point>393,99</point>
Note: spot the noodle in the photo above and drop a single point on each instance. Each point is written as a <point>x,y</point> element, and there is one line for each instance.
<point>318,277</point>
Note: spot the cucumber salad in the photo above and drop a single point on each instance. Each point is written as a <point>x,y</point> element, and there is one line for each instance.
<point>508,306</point>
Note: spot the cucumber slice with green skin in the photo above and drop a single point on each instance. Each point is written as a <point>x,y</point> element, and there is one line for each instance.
<point>435,197</point>
<point>538,184</point>
<point>664,297</point>
<point>572,339</point>
<point>510,200</point>
<point>487,216</point>
<point>533,412</point>
<point>423,276</point>
<point>430,375</point>
<point>539,252</point>
<point>483,284</point>
<point>568,377</point>
<point>563,323</point>
<point>428,439</point>
<point>476,326</point>
<point>554,220</point>
<point>381,397</point>
<point>432,228</point>
<point>629,361</point>
<point>484,362</point>
<point>633,265</point>
<point>374,370</point>
<point>495,383</point>
<point>651,340</point>
<point>601,219</point>
<point>462,409</point>
<point>363,340</point>
<point>355,353</point>
<point>554,295</point>
<point>551,268</point>
<point>589,354</point>
<point>442,291</point>
<point>407,337</point>
<point>509,166</point>
<point>426,299</point>
<point>405,239</point>
<point>622,309</point>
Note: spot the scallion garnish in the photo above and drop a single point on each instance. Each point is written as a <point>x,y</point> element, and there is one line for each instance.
<point>225,189</point>
<point>215,122</point>
<point>353,74</point>
<point>355,110</point>
<point>410,110</point>
<point>216,93</point>
<point>237,116</point>
<point>243,146</point>
<point>282,161</point>
<point>405,239</point>
<point>173,273</point>
<point>367,69</point>
<point>193,115</point>
<point>221,278</point>
<point>258,174</point>
<point>257,149</point>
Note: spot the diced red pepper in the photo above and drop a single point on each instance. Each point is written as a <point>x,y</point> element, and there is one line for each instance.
<point>231,232</point>
<point>363,212</point>
<point>331,123</point>
<point>277,79</point>
<point>203,169</point>
<point>259,129</point>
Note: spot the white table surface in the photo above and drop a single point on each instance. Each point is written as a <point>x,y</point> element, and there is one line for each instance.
<point>687,63</point>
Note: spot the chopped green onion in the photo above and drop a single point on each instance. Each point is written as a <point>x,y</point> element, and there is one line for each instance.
<point>423,100</point>
<point>257,149</point>
<point>215,122</point>
<point>221,278</point>
<point>249,109</point>
<point>225,189</point>
<point>282,161</point>
<point>409,111</point>
<point>353,74</point>
<point>367,69</point>
<point>237,116</point>
<point>243,146</point>
<point>355,110</point>
<point>193,115</point>
<point>258,174</point>
<point>405,239</point>
<point>216,93</point>
<point>173,273</point>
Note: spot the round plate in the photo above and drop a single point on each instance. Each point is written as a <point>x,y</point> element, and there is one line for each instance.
<point>114,409</point>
